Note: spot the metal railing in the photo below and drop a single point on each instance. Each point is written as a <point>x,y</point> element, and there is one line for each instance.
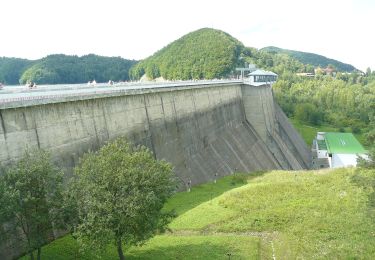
<point>15,95</point>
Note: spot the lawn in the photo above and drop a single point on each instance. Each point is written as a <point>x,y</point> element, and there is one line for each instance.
<point>164,247</point>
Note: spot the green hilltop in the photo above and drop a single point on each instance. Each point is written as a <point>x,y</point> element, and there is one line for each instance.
<point>202,54</point>
<point>311,59</point>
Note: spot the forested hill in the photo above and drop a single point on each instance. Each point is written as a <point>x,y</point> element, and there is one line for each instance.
<point>11,69</point>
<point>311,58</point>
<point>205,53</point>
<point>59,68</point>
<point>202,54</point>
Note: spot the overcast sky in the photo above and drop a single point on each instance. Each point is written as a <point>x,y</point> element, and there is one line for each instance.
<point>135,29</point>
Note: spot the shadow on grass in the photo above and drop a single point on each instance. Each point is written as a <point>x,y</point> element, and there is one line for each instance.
<point>184,201</point>
<point>186,251</point>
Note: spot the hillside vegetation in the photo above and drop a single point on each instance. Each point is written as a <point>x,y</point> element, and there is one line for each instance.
<point>59,68</point>
<point>64,69</point>
<point>202,54</point>
<point>345,102</point>
<point>11,69</point>
<point>311,58</point>
<point>327,214</point>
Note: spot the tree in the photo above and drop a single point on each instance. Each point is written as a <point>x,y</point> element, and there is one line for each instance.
<point>308,113</point>
<point>368,71</point>
<point>30,195</point>
<point>119,192</point>
<point>370,140</point>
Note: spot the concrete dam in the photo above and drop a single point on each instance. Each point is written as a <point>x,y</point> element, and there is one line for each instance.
<point>205,129</point>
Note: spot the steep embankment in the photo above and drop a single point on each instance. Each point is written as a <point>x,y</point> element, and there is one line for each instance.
<point>202,54</point>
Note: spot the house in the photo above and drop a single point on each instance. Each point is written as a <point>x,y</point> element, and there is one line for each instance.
<point>336,150</point>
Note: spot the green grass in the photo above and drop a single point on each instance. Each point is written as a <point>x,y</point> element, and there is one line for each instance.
<point>183,201</point>
<point>164,247</point>
<point>197,247</point>
<point>326,214</point>
<point>308,132</point>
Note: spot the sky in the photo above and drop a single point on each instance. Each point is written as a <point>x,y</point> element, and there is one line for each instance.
<point>135,29</point>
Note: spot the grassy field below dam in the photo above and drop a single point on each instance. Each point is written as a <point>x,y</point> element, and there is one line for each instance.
<point>326,214</point>
<point>308,132</point>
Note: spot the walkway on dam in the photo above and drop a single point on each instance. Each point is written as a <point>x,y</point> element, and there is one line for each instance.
<point>16,96</point>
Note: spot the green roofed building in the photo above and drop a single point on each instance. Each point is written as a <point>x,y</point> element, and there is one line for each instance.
<point>340,149</point>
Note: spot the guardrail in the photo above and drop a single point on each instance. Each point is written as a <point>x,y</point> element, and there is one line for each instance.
<point>56,92</point>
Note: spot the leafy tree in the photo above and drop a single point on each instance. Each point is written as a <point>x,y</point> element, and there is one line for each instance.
<point>370,139</point>
<point>368,71</point>
<point>30,198</point>
<point>119,192</point>
<point>308,113</point>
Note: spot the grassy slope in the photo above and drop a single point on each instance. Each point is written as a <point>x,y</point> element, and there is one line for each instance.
<point>317,214</point>
<point>325,214</point>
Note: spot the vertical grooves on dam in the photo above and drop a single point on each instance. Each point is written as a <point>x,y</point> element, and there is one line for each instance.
<point>3,124</point>
<point>37,137</point>
<point>200,129</point>
<point>149,128</point>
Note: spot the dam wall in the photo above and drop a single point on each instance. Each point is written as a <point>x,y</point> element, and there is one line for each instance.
<point>274,128</point>
<point>204,131</point>
<point>200,130</point>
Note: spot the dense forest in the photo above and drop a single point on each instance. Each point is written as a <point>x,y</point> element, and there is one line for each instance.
<point>11,69</point>
<point>59,68</point>
<point>343,101</point>
<point>312,59</point>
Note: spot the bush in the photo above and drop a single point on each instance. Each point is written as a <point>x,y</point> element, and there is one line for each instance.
<point>308,113</point>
